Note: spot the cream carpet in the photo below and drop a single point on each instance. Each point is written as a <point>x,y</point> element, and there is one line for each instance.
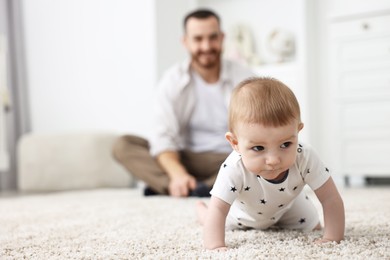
<point>121,224</point>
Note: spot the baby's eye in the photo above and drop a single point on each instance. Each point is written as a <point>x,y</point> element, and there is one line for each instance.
<point>258,148</point>
<point>285,145</point>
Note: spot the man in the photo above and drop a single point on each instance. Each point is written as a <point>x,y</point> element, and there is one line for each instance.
<point>188,144</point>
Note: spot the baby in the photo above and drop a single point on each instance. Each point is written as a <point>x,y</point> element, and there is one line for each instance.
<point>260,184</point>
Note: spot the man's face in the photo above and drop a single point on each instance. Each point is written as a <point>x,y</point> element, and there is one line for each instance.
<point>203,39</point>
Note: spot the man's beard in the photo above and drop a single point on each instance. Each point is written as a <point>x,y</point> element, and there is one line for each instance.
<point>199,60</point>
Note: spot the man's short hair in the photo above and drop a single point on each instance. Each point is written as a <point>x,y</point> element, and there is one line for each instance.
<point>200,14</point>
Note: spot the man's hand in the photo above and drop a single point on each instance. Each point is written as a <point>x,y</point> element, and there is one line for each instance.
<point>181,182</point>
<point>180,186</point>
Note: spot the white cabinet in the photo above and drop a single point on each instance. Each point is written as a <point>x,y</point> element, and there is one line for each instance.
<point>360,93</point>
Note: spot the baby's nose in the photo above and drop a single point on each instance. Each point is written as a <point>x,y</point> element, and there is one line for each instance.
<point>273,160</point>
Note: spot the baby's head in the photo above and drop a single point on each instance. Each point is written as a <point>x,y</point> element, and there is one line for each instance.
<point>264,122</point>
<point>262,100</point>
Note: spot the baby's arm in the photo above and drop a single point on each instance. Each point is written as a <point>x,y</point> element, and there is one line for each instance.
<point>333,208</point>
<point>214,226</point>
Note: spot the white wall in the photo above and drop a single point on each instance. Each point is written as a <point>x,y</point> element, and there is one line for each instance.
<point>169,32</point>
<point>91,64</point>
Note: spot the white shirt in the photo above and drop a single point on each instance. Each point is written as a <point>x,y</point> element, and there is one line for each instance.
<point>176,99</point>
<point>209,120</point>
<point>258,203</point>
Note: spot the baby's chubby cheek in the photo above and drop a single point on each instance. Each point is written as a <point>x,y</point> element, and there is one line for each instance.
<point>252,166</point>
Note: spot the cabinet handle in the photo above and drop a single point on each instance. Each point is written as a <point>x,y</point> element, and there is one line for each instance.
<point>365,26</point>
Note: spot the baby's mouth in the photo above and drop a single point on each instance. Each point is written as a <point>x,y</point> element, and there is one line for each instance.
<point>273,170</point>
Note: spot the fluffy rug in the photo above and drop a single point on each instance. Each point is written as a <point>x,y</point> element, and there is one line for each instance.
<point>121,224</point>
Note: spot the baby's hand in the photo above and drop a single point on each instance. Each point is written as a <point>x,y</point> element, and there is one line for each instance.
<point>322,240</point>
<point>220,249</point>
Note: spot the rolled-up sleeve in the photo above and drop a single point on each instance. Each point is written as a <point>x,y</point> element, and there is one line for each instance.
<point>170,108</point>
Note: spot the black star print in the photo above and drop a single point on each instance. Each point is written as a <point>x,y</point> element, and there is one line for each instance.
<point>240,224</point>
<point>282,189</point>
<point>263,201</point>
<point>326,169</point>
<point>300,145</point>
<point>296,187</point>
<point>224,165</point>
<point>233,189</point>
<point>281,205</point>
<point>247,188</point>
<point>302,220</point>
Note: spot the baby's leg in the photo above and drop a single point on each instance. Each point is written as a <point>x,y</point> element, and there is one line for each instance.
<point>318,227</point>
<point>201,211</point>
<point>302,215</point>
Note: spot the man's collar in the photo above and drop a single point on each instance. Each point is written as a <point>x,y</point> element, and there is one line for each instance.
<point>224,73</point>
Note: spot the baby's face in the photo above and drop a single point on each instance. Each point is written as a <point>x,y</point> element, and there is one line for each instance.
<point>267,151</point>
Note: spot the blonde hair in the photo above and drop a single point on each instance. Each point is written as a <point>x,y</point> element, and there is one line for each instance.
<point>263,100</point>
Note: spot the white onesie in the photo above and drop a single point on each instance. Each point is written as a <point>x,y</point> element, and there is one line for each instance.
<point>258,203</point>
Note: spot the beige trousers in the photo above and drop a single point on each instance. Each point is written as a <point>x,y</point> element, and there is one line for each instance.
<point>133,153</point>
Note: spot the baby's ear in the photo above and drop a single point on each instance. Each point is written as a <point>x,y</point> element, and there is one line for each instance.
<point>300,126</point>
<point>232,140</point>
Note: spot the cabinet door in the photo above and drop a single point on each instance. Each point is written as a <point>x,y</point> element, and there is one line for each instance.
<point>365,137</point>
<point>360,84</point>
